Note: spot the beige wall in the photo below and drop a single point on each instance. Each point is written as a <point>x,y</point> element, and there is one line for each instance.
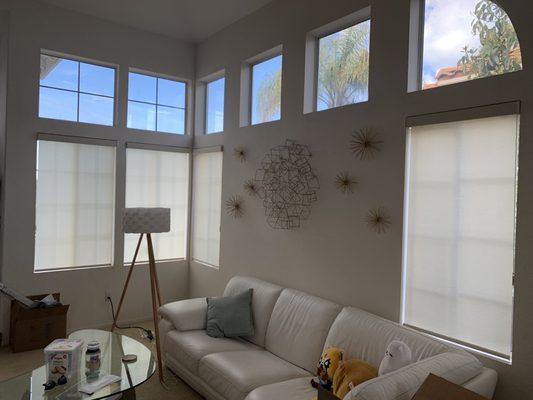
<point>334,255</point>
<point>34,26</point>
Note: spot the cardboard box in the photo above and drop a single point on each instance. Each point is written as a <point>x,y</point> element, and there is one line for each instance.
<point>34,328</point>
<point>437,388</point>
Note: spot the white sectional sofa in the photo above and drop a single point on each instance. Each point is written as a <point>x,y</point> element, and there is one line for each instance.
<point>292,329</point>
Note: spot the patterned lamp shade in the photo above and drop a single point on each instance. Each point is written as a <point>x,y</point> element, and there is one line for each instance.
<point>146,220</point>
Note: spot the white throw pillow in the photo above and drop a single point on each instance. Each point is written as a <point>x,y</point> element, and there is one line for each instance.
<point>397,356</point>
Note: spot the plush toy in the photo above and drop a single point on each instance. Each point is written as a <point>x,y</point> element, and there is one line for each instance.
<point>398,355</point>
<point>325,370</point>
<point>339,376</point>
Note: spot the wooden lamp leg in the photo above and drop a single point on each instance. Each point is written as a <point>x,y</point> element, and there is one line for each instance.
<point>155,298</point>
<point>115,318</point>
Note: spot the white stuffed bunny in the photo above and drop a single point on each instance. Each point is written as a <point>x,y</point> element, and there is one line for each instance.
<point>398,355</point>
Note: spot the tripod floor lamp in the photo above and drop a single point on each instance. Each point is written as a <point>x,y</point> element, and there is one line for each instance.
<point>146,221</point>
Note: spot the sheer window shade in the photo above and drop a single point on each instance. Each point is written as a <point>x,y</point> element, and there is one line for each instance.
<point>75,204</point>
<point>207,198</point>
<point>460,225</point>
<point>158,179</point>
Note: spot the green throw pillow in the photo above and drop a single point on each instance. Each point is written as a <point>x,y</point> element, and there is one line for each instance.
<point>230,316</point>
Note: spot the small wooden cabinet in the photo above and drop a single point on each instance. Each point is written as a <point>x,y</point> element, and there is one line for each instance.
<point>34,328</point>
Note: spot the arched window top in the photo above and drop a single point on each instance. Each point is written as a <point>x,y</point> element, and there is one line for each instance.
<point>466,39</point>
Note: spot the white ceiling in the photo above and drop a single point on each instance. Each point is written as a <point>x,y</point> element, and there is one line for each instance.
<point>190,20</point>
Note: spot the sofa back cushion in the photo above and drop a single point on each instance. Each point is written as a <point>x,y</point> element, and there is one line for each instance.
<point>299,326</point>
<point>264,298</point>
<point>366,336</point>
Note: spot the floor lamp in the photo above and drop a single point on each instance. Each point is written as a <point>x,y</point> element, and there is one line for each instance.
<point>145,221</point>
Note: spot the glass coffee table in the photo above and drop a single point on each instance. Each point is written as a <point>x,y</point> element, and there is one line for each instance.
<point>113,346</point>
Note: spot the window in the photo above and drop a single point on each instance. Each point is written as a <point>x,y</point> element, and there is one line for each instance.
<point>157,178</point>
<point>156,104</point>
<point>214,106</point>
<point>207,199</point>
<point>467,39</point>
<point>75,205</point>
<point>76,91</point>
<point>343,59</point>
<point>459,231</point>
<point>266,90</point>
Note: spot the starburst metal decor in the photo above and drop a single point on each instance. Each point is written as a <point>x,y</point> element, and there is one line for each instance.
<point>287,185</point>
<point>378,219</point>
<point>240,154</point>
<point>345,183</point>
<point>365,144</point>
<point>234,206</point>
<point>250,187</point>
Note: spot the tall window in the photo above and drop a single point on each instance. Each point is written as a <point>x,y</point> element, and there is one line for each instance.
<point>467,39</point>
<point>343,67</point>
<point>460,227</point>
<point>76,91</point>
<point>156,104</point>
<point>214,106</point>
<point>266,90</point>
<point>75,205</point>
<point>159,179</point>
<point>207,192</point>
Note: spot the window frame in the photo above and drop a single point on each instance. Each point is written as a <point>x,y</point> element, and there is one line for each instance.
<point>474,113</point>
<point>312,55</point>
<point>201,116</point>
<point>50,137</point>
<point>79,60</point>
<point>158,76</point>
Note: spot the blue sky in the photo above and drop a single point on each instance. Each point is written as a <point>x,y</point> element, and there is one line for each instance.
<point>260,73</point>
<point>215,106</point>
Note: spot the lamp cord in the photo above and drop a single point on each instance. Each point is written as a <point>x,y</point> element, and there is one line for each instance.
<point>147,332</point>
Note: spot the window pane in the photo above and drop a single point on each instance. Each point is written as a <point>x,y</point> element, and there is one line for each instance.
<point>59,73</point>
<point>141,116</point>
<point>454,50</point>
<point>58,104</point>
<point>343,67</point>
<point>97,80</point>
<point>215,106</point>
<point>266,90</point>
<point>171,93</point>
<point>207,202</point>
<point>142,88</point>
<point>96,109</point>
<point>75,204</point>
<point>170,120</point>
<point>158,179</point>
<point>460,230</point>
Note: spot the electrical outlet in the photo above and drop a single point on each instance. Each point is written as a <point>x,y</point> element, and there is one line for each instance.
<point>107,294</point>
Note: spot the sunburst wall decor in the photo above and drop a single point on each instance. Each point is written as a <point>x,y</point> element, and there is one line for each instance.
<point>250,187</point>
<point>234,206</point>
<point>345,183</point>
<point>240,153</point>
<point>378,219</point>
<point>364,143</point>
<point>287,185</point>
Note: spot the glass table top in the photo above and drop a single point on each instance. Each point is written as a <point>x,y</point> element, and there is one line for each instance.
<point>113,346</point>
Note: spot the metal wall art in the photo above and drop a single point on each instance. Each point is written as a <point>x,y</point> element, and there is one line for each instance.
<point>345,183</point>
<point>287,185</point>
<point>365,144</point>
<point>250,187</point>
<point>240,154</point>
<point>234,206</point>
<point>378,219</point>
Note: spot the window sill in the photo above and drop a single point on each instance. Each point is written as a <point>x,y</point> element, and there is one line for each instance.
<point>157,262</point>
<point>205,264</point>
<point>70,269</point>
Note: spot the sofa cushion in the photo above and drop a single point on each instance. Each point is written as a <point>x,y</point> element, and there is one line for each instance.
<point>264,297</point>
<point>403,383</point>
<point>186,315</point>
<point>230,316</point>
<point>299,326</point>
<point>366,336</point>
<point>294,389</point>
<point>235,374</point>
<point>189,347</point>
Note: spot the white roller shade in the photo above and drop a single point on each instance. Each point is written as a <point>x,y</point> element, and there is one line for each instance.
<point>158,179</point>
<point>207,192</point>
<point>460,227</point>
<point>75,205</point>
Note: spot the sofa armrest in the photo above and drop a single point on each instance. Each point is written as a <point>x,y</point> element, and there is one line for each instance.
<point>456,367</point>
<point>186,315</point>
<point>484,383</point>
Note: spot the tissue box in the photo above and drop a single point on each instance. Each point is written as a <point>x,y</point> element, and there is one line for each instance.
<point>63,360</point>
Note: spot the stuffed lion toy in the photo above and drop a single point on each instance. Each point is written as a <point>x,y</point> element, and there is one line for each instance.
<point>340,376</point>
